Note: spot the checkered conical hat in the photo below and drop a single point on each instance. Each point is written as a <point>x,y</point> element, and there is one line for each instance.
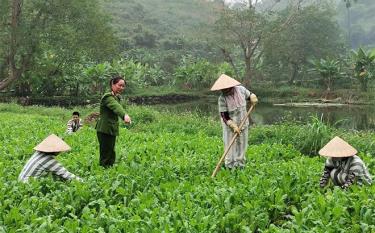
<point>52,143</point>
<point>337,147</point>
<point>223,82</point>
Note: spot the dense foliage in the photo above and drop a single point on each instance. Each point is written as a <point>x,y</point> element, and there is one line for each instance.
<point>313,34</point>
<point>161,180</point>
<point>356,17</point>
<point>162,32</point>
<point>47,43</point>
<point>69,48</point>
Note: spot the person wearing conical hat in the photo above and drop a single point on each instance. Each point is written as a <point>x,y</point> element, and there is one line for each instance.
<point>343,166</point>
<point>43,160</point>
<point>232,108</point>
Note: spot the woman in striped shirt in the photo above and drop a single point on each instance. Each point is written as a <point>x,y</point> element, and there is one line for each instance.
<point>343,166</point>
<point>43,160</point>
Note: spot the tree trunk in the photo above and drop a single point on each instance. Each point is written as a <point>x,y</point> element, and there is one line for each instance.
<point>16,13</point>
<point>247,59</point>
<point>349,27</point>
<point>364,85</point>
<point>14,73</point>
<point>294,73</point>
<point>248,71</point>
<point>329,84</point>
<point>249,48</point>
<point>4,68</point>
<point>228,58</point>
<point>77,89</point>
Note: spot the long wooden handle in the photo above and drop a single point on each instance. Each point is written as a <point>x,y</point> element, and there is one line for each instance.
<point>231,142</point>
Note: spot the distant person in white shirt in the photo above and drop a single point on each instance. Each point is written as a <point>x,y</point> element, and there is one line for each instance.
<point>43,160</point>
<point>74,124</point>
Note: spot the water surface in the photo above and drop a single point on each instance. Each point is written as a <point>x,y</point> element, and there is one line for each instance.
<point>357,117</point>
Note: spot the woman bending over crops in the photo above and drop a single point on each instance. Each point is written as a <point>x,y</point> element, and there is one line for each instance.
<point>43,160</point>
<point>232,108</point>
<point>343,166</point>
<point>107,127</point>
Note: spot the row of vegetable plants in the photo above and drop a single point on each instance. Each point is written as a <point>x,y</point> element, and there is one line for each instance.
<point>161,180</point>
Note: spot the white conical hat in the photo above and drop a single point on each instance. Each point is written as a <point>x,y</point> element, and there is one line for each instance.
<point>52,143</point>
<point>337,147</point>
<point>223,82</point>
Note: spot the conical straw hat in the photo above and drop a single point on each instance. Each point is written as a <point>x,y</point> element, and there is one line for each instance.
<point>223,82</point>
<point>337,147</point>
<point>52,143</point>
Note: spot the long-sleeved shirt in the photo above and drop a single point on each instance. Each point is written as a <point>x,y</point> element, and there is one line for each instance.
<point>72,126</point>
<point>41,163</point>
<point>110,111</point>
<point>346,171</point>
<point>230,102</point>
<point>232,106</point>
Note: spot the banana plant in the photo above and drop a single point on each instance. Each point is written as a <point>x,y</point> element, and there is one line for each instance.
<point>363,66</point>
<point>99,74</point>
<point>328,69</point>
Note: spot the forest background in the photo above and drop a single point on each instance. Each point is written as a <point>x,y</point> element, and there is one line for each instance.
<point>307,48</point>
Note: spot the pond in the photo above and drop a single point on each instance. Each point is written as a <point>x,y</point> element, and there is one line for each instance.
<point>356,117</point>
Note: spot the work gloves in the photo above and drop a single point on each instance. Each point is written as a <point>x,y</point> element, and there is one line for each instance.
<point>233,126</point>
<point>363,73</point>
<point>253,99</point>
<point>350,179</point>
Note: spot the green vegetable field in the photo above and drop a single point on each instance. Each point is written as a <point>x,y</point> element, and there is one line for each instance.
<point>161,180</point>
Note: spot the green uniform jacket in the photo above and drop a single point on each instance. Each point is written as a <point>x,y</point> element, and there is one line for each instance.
<point>110,111</point>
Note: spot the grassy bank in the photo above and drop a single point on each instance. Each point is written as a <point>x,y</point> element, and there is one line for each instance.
<point>267,93</point>
<point>272,93</point>
<point>161,181</point>
<point>286,93</point>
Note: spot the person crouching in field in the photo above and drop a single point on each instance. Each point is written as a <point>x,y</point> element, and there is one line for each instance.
<point>343,166</point>
<point>43,160</point>
<point>74,124</point>
<point>107,127</point>
<point>232,108</point>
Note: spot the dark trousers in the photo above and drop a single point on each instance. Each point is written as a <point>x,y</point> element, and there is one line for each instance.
<point>106,149</point>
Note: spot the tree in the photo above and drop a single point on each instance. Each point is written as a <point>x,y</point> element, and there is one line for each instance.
<point>313,34</point>
<point>62,31</point>
<point>348,5</point>
<point>328,69</point>
<point>364,65</point>
<point>245,28</point>
<point>199,73</point>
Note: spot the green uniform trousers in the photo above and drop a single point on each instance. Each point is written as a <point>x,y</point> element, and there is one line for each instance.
<point>106,149</point>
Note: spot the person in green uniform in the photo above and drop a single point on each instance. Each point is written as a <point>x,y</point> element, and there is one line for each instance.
<point>107,127</point>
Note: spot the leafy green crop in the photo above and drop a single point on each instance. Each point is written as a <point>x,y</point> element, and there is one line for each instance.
<point>161,180</point>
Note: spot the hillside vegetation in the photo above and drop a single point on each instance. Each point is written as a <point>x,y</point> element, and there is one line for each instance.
<point>166,29</point>
<point>362,21</point>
